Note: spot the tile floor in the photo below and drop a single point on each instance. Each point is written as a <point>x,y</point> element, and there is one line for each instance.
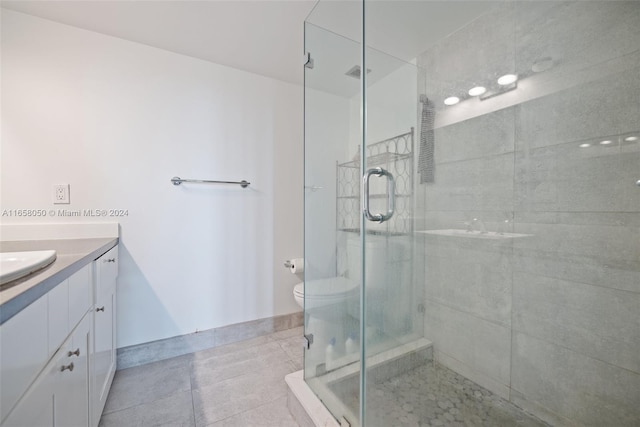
<point>240,384</point>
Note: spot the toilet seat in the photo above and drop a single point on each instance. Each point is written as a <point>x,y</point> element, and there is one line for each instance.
<point>325,291</point>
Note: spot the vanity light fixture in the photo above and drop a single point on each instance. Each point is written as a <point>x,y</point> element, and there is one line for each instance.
<point>507,79</point>
<point>477,91</point>
<point>452,100</point>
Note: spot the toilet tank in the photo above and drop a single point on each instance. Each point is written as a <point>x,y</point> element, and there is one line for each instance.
<point>379,253</point>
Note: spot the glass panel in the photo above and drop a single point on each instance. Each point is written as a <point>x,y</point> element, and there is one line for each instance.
<point>332,205</point>
<point>527,214</point>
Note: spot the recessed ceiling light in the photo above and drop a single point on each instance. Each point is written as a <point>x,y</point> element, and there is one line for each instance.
<point>477,91</point>
<point>507,79</point>
<point>606,142</point>
<point>585,145</point>
<point>631,139</point>
<point>452,100</point>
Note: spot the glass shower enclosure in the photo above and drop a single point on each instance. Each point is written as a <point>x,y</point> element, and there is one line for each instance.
<point>472,212</point>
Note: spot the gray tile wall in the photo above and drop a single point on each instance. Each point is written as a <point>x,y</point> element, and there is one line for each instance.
<point>553,317</point>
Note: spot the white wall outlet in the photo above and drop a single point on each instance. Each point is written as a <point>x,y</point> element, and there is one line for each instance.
<point>61,194</point>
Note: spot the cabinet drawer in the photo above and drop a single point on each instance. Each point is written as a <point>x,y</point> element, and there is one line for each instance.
<point>107,270</point>
<point>80,297</point>
<point>23,352</point>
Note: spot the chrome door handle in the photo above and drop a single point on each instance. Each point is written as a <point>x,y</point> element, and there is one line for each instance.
<point>391,194</point>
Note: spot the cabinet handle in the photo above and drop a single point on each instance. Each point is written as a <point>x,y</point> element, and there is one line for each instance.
<point>110,260</point>
<point>100,308</point>
<point>71,353</point>
<point>68,367</point>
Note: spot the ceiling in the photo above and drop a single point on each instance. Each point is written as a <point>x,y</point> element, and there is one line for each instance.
<point>264,37</point>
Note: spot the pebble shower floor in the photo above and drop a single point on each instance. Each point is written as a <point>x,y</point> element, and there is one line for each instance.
<point>432,395</point>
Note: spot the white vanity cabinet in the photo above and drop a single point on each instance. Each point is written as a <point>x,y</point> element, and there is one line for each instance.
<point>104,357</point>
<point>60,394</point>
<point>58,354</point>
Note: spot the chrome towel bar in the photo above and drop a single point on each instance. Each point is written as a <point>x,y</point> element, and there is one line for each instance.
<point>176,180</point>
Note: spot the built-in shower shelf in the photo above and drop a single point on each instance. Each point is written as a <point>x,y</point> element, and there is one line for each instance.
<point>375,196</point>
<point>488,235</point>
<point>371,232</point>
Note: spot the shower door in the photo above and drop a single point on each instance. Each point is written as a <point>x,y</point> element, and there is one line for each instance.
<point>332,208</point>
<point>362,308</point>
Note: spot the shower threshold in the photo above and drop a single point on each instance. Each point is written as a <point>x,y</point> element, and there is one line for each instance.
<point>309,411</point>
<point>405,387</point>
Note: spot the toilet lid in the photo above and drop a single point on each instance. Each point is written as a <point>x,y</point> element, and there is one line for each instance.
<point>325,287</point>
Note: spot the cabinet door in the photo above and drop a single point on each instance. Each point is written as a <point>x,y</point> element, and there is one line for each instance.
<point>71,386</point>
<point>104,357</point>
<point>23,352</point>
<point>35,408</point>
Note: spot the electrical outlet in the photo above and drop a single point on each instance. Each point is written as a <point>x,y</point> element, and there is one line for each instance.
<point>61,194</point>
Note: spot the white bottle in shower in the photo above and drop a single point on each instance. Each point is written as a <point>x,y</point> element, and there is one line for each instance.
<point>350,344</point>
<point>329,352</point>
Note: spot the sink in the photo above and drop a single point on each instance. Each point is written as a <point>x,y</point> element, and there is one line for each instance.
<point>490,235</point>
<point>14,265</point>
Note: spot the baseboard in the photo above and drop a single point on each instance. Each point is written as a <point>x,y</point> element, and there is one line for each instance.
<point>154,351</point>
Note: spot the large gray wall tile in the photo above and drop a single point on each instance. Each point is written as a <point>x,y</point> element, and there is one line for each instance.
<point>487,135</point>
<point>475,279</point>
<point>586,390</point>
<point>598,322</point>
<point>575,34</point>
<point>603,243</point>
<point>482,345</point>
<point>606,107</point>
<point>567,178</point>
<point>478,184</point>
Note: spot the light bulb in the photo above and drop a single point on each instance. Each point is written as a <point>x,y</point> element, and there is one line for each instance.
<point>452,100</point>
<point>606,142</point>
<point>631,138</point>
<point>507,79</point>
<point>585,145</point>
<point>477,91</point>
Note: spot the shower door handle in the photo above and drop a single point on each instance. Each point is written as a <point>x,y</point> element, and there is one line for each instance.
<point>391,194</point>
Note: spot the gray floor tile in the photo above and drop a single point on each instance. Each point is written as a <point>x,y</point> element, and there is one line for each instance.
<point>218,368</point>
<point>147,383</point>
<point>232,348</point>
<point>175,411</point>
<point>288,333</point>
<point>237,384</point>
<point>232,397</point>
<point>273,414</point>
<point>293,347</point>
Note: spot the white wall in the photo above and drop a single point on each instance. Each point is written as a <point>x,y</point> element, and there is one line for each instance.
<point>116,120</point>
